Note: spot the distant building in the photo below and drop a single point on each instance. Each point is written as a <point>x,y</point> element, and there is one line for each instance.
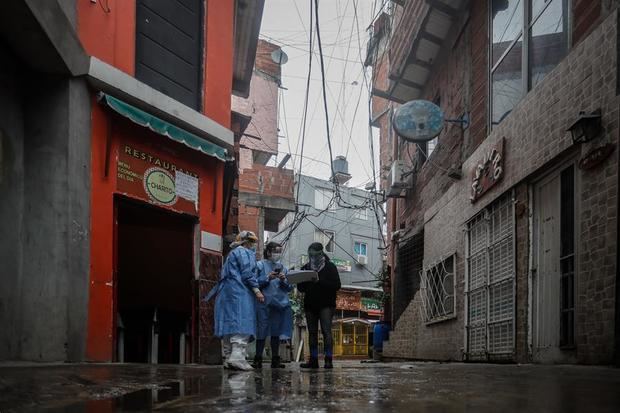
<point>352,240</point>
<point>263,194</point>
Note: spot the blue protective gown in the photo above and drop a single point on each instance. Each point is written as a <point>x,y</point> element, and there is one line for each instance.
<point>235,304</point>
<point>275,316</point>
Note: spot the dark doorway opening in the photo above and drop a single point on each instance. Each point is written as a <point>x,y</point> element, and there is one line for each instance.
<point>154,295</point>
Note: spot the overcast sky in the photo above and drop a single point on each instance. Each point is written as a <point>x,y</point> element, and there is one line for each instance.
<point>286,22</point>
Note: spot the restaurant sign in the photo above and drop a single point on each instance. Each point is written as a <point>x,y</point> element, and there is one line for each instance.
<point>147,176</point>
<point>488,172</point>
<point>349,300</point>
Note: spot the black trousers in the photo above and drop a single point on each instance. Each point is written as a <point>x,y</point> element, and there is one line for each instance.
<point>324,316</point>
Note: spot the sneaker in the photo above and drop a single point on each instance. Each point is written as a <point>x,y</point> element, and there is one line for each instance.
<point>328,363</point>
<point>313,363</point>
<point>275,363</point>
<point>258,363</point>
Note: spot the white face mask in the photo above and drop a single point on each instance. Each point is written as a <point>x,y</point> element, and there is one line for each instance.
<point>275,257</point>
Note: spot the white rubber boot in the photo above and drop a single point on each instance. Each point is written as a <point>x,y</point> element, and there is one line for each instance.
<point>226,350</point>
<point>237,359</point>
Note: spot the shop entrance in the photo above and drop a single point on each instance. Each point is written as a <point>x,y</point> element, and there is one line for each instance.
<point>154,294</point>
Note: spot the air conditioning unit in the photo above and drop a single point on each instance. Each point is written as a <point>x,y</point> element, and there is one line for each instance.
<point>362,259</point>
<point>397,179</point>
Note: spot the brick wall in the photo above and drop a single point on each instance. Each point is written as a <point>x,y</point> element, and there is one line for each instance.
<point>479,28</point>
<point>248,218</point>
<point>586,16</point>
<point>536,140</point>
<point>522,245</point>
<point>267,180</point>
<point>264,62</point>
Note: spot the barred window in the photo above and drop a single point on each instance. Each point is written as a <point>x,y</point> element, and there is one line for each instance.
<point>437,290</point>
<point>490,278</point>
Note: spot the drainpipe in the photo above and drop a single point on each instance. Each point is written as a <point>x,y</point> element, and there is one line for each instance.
<point>617,315</point>
<point>393,214</point>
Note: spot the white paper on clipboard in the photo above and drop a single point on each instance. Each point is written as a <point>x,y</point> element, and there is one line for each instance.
<point>296,277</point>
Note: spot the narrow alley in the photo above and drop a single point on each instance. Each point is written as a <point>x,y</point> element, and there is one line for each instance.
<point>350,387</point>
<point>310,206</point>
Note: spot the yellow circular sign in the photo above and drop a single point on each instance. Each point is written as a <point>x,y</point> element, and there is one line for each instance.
<point>159,185</point>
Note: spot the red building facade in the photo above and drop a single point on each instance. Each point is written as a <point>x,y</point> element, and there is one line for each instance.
<point>161,80</point>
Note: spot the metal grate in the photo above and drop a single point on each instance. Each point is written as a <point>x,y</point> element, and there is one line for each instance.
<point>490,282</point>
<point>437,290</point>
<point>407,277</point>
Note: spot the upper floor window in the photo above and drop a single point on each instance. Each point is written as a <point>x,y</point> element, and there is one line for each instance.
<point>529,38</point>
<point>362,214</point>
<point>361,248</point>
<point>169,48</point>
<point>324,199</point>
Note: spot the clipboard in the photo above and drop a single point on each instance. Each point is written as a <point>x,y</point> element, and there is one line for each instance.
<point>296,277</point>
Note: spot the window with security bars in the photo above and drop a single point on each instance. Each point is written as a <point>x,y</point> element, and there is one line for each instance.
<point>437,290</point>
<point>490,282</point>
<point>407,274</point>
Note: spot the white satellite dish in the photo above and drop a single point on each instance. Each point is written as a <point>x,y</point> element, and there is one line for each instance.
<point>278,56</point>
<point>418,121</point>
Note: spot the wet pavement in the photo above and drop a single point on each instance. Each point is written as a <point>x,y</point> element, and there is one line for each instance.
<point>351,387</point>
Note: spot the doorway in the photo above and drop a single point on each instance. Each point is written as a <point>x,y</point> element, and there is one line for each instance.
<point>553,273</point>
<point>490,283</point>
<point>154,284</point>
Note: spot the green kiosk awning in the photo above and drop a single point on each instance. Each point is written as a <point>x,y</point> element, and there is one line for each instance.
<point>164,128</point>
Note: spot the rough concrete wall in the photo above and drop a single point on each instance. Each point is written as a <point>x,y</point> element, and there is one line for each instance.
<point>54,285</point>
<point>70,9</point>
<point>78,217</point>
<point>43,315</point>
<point>12,203</point>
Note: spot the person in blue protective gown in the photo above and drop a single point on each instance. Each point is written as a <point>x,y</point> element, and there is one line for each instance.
<point>235,304</point>
<point>274,317</point>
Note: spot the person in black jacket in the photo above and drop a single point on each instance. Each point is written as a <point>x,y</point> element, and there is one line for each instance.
<point>320,304</point>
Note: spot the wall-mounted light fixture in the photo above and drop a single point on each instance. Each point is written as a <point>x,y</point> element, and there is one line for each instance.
<point>586,127</point>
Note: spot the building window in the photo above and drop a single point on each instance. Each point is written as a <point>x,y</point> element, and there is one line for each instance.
<point>327,238</point>
<point>425,150</point>
<point>542,47</point>
<point>407,272</point>
<point>361,248</point>
<point>362,214</point>
<point>324,199</point>
<point>169,48</point>
<point>437,290</point>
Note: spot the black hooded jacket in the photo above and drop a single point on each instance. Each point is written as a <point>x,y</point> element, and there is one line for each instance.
<point>321,294</point>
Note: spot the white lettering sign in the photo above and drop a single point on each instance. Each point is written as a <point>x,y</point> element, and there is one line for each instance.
<point>186,187</point>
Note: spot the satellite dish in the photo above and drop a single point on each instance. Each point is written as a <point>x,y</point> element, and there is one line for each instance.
<point>279,57</point>
<point>418,121</point>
